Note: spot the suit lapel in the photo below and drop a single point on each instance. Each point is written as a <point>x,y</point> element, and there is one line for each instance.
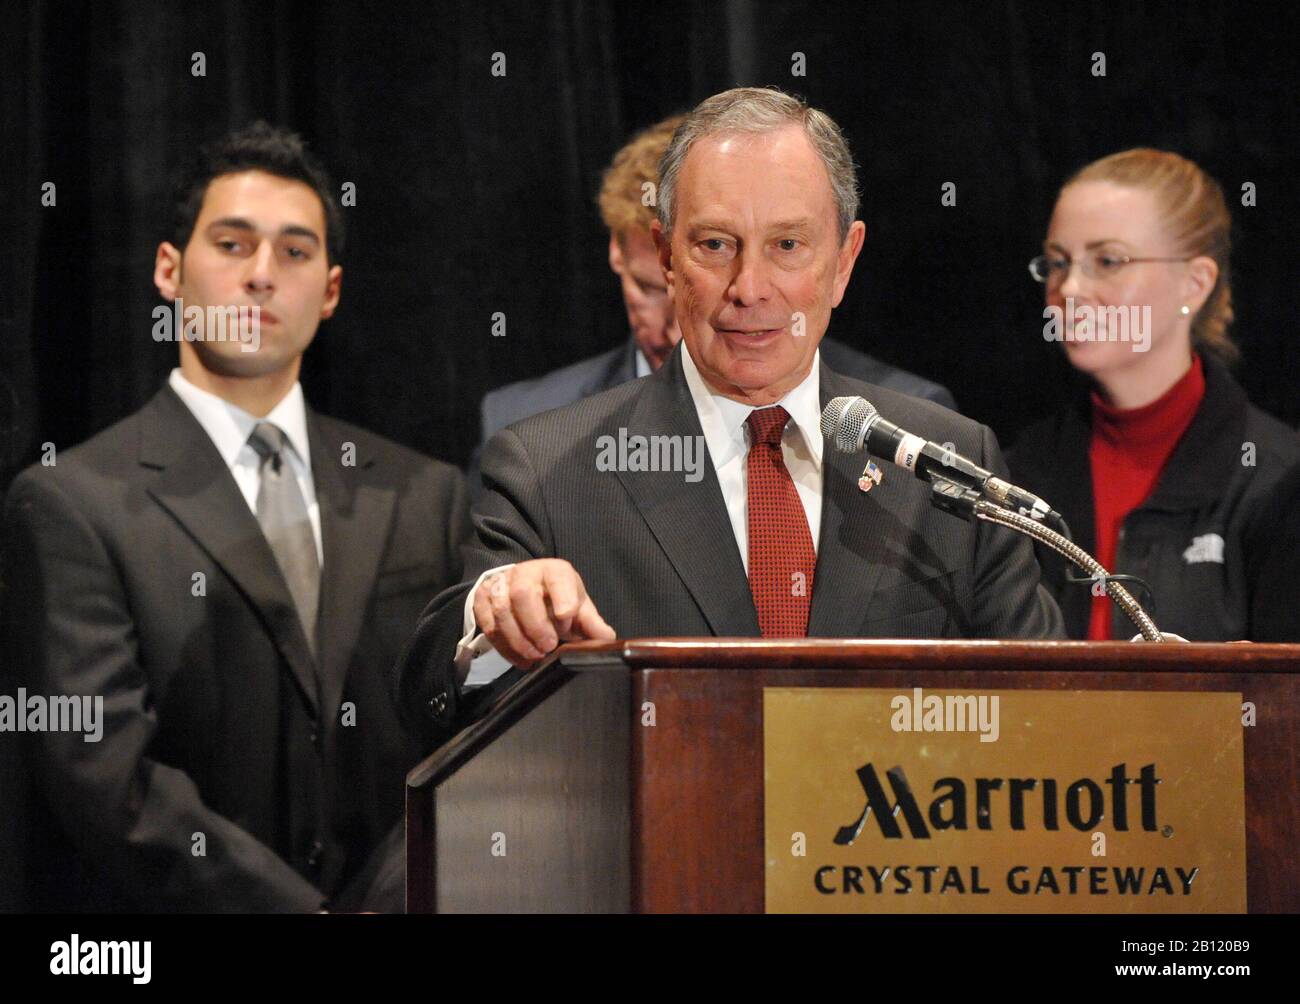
<point>1067,485</point>
<point>355,516</point>
<point>626,363</point>
<point>196,487</point>
<point>851,551</point>
<point>689,520</point>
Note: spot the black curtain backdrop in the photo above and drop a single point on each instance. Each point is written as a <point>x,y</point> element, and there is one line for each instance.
<point>475,193</point>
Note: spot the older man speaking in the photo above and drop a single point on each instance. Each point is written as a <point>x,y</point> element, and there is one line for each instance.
<point>703,500</point>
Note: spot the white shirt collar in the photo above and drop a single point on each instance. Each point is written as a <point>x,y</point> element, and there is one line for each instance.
<point>229,426</point>
<point>643,367</point>
<point>723,420</point>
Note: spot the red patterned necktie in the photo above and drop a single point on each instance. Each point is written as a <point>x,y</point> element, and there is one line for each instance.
<point>781,553</point>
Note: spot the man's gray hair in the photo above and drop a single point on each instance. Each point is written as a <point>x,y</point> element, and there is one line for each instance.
<point>755,110</point>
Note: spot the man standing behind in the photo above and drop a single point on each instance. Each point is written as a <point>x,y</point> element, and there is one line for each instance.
<point>759,527</point>
<point>232,574</point>
<point>627,200</point>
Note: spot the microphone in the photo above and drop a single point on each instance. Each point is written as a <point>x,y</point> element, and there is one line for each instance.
<point>851,423</point>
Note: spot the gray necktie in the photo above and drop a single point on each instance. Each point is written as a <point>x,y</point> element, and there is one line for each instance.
<point>282,512</point>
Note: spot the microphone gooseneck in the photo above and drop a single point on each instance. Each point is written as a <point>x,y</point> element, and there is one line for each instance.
<point>967,490</point>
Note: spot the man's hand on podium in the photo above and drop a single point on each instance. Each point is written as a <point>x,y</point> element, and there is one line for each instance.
<point>530,608</point>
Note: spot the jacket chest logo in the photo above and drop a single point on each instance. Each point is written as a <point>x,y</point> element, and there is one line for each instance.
<point>1207,547</point>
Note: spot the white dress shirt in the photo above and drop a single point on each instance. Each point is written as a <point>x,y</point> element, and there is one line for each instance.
<point>726,433</point>
<point>229,427</point>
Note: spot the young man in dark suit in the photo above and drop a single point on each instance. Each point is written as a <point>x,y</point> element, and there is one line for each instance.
<point>233,574</point>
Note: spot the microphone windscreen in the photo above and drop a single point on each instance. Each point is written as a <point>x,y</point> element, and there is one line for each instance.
<point>845,421</point>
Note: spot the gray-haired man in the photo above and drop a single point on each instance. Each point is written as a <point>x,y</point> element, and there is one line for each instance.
<point>757,238</point>
<point>653,330</point>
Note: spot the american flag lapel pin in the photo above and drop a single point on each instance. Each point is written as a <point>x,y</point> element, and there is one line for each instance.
<point>871,475</point>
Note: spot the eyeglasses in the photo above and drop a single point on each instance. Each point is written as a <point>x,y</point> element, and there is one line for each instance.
<point>1100,265</point>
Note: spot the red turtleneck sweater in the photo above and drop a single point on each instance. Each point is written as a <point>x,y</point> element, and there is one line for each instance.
<point>1127,452</point>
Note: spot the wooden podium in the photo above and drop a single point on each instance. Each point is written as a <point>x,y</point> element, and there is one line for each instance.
<point>563,798</point>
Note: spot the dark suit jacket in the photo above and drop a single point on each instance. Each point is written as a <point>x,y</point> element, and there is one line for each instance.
<point>658,555</point>
<point>217,720</point>
<point>1205,490</point>
<point>509,404</point>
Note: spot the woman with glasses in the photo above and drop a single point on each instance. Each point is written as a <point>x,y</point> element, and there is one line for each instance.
<point>1161,467</point>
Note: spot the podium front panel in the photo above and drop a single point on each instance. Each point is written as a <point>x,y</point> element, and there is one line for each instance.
<point>630,775</point>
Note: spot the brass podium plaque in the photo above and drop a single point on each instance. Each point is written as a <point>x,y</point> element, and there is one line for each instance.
<point>1012,801</point>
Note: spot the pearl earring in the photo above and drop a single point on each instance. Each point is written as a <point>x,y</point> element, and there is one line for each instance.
<point>1186,309</point>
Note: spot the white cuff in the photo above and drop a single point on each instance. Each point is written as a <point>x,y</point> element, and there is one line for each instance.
<point>474,644</point>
